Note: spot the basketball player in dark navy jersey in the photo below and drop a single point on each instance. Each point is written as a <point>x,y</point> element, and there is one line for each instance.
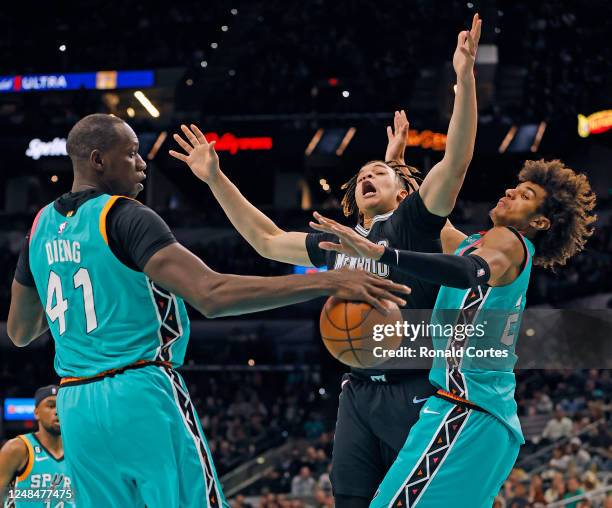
<point>377,407</point>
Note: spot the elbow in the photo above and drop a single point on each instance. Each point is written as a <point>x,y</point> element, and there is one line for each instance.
<point>265,247</point>
<point>208,305</point>
<point>17,337</point>
<point>210,301</point>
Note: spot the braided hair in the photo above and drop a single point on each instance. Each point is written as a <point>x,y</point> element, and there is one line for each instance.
<point>406,174</point>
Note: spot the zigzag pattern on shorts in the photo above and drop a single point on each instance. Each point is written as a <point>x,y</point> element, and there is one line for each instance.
<point>431,460</point>
<point>189,417</point>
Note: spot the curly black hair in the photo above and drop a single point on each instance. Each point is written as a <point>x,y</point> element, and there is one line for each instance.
<point>406,174</point>
<point>568,205</point>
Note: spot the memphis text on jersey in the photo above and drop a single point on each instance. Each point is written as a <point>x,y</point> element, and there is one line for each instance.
<point>366,264</point>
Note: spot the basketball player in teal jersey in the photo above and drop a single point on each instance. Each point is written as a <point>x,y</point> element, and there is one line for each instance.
<point>33,464</point>
<point>106,276</point>
<point>468,435</point>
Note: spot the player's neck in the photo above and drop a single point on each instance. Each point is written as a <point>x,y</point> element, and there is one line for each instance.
<point>51,442</point>
<point>81,183</point>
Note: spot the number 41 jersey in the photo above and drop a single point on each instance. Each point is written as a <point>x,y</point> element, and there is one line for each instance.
<point>102,314</point>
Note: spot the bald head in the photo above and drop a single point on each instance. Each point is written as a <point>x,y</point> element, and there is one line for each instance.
<point>104,153</point>
<point>93,132</point>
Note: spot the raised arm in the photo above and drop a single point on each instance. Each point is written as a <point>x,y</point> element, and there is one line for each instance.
<point>255,227</point>
<point>442,184</point>
<point>397,137</point>
<point>216,294</point>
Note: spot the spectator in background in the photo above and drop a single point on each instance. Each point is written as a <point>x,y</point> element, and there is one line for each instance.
<point>519,500</point>
<point>556,490</point>
<point>536,492</point>
<point>543,404</point>
<point>558,427</point>
<point>559,461</point>
<point>573,489</point>
<point>578,455</point>
<point>324,482</point>
<point>303,484</point>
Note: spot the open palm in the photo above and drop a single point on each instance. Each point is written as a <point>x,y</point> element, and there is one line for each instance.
<point>200,155</point>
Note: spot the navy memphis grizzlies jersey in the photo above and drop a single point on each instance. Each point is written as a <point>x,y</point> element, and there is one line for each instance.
<point>487,381</point>
<point>409,227</point>
<point>102,314</point>
<point>44,482</point>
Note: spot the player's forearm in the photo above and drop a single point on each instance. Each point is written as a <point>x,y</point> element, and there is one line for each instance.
<point>441,269</point>
<point>461,134</point>
<point>254,226</point>
<point>234,294</point>
<point>25,322</point>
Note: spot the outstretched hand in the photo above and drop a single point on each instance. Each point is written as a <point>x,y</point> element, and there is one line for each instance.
<point>200,155</point>
<point>464,57</point>
<point>397,137</point>
<point>351,242</point>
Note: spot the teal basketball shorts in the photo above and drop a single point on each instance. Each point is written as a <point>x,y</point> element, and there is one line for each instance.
<point>453,456</point>
<point>134,439</point>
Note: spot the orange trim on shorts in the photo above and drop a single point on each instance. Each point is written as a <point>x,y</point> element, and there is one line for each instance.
<point>30,463</point>
<point>455,397</point>
<point>111,372</point>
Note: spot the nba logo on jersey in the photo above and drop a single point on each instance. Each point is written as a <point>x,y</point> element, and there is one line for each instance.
<point>62,226</point>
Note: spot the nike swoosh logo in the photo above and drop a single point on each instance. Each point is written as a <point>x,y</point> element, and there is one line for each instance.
<point>40,459</point>
<point>428,411</point>
<point>418,401</point>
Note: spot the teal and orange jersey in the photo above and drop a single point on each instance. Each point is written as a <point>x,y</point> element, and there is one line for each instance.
<point>44,482</point>
<point>102,314</point>
<point>485,379</point>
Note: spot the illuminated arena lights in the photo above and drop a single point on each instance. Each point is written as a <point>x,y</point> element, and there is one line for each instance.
<point>595,123</point>
<point>146,103</point>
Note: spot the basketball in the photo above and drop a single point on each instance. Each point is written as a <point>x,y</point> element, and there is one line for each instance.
<point>347,330</point>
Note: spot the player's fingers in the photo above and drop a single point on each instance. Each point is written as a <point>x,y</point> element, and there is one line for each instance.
<point>190,135</point>
<point>471,44</point>
<point>211,148</point>
<point>478,32</point>
<point>376,302</point>
<point>404,117</point>
<point>320,227</point>
<point>335,247</point>
<point>461,38</point>
<point>395,299</point>
<point>466,52</point>
<point>324,220</point>
<point>474,22</point>
<point>389,133</point>
<point>391,286</point>
<point>199,134</point>
<point>184,145</point>
<point>179,156</point>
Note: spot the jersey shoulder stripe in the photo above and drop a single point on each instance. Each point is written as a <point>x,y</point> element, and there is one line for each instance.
<point>28,467</point>
<point>108,205</point>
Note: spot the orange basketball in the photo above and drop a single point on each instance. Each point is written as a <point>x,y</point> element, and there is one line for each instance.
<point>348,330</point>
